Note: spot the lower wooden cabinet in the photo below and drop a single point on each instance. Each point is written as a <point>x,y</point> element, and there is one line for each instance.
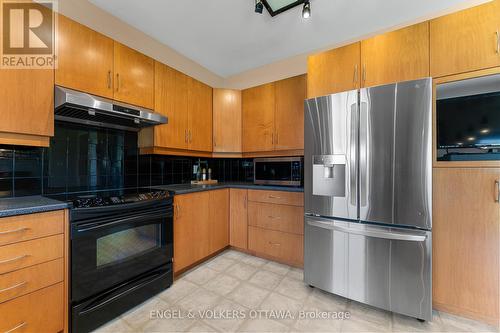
<point>282,246</point>
<point>465,244</point>
<point>238,218</point>
<point>201,226</point>
<point>276,217</point>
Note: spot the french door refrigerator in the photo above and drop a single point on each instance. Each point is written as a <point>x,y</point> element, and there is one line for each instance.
<point>368,196</point>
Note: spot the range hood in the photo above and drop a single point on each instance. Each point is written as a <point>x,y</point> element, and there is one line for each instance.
<point>78,107</point>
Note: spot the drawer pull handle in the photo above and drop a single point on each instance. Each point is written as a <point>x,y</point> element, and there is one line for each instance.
<point>274,217</point>
<point>14,259</point>
<point>13,231</point>
<point>275,244</point>
<point>274,197</point>
<point>13,287</point>
<point>21,325</point>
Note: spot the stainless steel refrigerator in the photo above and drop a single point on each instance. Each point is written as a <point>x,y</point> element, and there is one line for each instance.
<point>368,196</point>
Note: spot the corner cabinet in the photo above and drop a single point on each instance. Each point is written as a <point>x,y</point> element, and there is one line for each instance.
<point>227,121</point>
<point>199,116</point>
<point>400,55</point>
<point>273,117</point>
<point>466,41</point>
<point>465,244</point>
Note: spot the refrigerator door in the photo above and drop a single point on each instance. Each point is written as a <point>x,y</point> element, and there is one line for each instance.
<point>330,149</point>
<point>395,156</point>
<point>386,267</point>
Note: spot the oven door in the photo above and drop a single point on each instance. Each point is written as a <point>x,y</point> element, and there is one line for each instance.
<point>278,171</point>
<point>110,251</point>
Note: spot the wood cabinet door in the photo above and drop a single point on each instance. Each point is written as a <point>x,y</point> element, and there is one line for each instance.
<point>258,106</point>
<point>334,71</point>
<point>191,229</point>
<point>219,220</point>
<point>85,59</point>
<point>465,41</point>
<point>396,56</point>
<point>465,245</point>
<point>289,114</point>
<point>227,121</point>
<point>199,115</point>
<point>238,223</point>
<point>134,77</point>
<point>27,106</point>
<point>171,95</point>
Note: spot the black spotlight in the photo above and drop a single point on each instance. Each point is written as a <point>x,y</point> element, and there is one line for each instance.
<point>306,11</point>
<point>259,6</point>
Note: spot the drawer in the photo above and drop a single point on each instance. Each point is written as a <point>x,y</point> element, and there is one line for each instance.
<point>277,197</point>
<point>27,280</point>
<point>33,252</point>
<point>41,311</point>
<point>277,244</point>
<point>25,227</point>
<point>276,217</point>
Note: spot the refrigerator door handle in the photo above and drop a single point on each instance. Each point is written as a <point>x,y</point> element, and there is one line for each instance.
<point>353,191</point>
<point>363,153</point>
<point>368,232</point>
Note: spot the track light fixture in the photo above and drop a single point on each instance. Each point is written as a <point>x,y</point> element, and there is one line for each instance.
<point>259,6</point>
<point>306,10</point>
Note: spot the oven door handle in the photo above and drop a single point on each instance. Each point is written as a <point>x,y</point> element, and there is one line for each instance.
<point>109,223</point>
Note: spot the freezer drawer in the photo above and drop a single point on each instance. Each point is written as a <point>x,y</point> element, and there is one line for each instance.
<point>389,268</point>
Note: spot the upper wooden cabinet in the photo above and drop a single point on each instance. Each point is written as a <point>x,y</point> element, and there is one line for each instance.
<point>466,41</point>
<point>171,96</point>
<point>27,106</point>
<point>273,116</point>
<point>199,116</point>
<point>134,77</point>
<point>334,71</point>
<point>396,56</point>
<point>227,121</point>
<point>289,116</point>
<point>258,104</point>
<point>85,59</point>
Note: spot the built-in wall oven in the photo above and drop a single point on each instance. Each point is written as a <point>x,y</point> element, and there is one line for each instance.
<point>284,171</point>
<point>121,255</point>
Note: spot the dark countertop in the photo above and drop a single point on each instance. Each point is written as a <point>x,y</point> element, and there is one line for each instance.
<point>29,205</point>
<point>188,188</point>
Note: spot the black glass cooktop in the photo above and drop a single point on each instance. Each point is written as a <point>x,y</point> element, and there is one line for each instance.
<point>109,198</point>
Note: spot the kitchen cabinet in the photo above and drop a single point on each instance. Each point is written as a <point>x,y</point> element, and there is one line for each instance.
<point>191,229</point>
<point>218,220</point>
<point>273,116</point>
<point>289,114</point>
<point>334,71</point>
<point>36,261</point>
<point>227,121</point>
<point>171,96</point>
<point>466,242</point>
<point>85,59</point>
<point>396,56</point>
<point>281,246</point>
<point>466,41</point>
<point>27,104</point>
<point>199,116</point>
<point>258,105</point>
<point>238,218</point>
<point>134,77</point>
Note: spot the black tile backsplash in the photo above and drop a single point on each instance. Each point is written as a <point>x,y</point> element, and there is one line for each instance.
<point>82,158</point>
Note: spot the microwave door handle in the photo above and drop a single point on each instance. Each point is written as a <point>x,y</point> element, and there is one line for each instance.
<point>108,223</point>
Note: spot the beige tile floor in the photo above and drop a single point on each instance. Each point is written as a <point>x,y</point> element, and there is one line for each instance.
<point>238,286</point>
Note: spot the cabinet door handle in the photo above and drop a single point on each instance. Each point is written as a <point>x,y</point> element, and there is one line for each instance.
<point>21,325</point>
<point>215,142</point>
<point>245,202</point>
<point>186,136</point>
<point>13,287</point>
<point>190,137</point>
<point>364,73</point>
<point>274,217</point>
<point>355,74</point>
<point>497,33</point>
<point>497,191</point>
<point>274,244</point>
<point>274,197</point>
<point>14,259</point>
<point>272,138</point>
<point>13,231</point>
<point>109,79</point>
<point>117,81</point>
<point>277,138</point>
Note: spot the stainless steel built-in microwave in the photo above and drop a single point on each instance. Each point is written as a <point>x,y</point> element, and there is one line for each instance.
<point>285,171</point>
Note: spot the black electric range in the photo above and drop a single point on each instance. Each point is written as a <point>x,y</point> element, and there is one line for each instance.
<point>121,252</point>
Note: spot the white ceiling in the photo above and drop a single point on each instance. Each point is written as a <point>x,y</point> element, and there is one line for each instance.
<point>228,38</point>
